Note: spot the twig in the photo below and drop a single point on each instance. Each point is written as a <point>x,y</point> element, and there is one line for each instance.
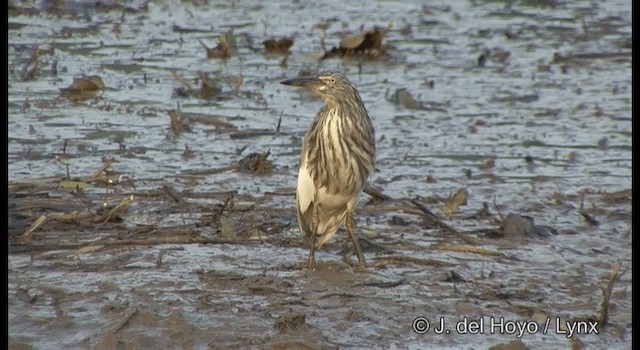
<point>125,321</point>
<point>375,193</point>
<point>322,37</point>
<point>56,305</point>
<point>159,259</point>
<point>117,209</point>
<point>35,225</point>
<point>590,219</point>
<point>104,167</point>
<point>211,171</point>
<point>181,80</point>
<point>433,218</point>
<point>228,204</point>
<point>390,284</point>
<point>495,206</point>
<point>604,307</point>
<point>239,80</point>
<point>460,248</point>
<point>279,122</point>
<point>395,259</point>
<point>173,193</point>
<point>29,74</point>
<point>66,166</point>
<point>182,239</point>
<point>584,27</point>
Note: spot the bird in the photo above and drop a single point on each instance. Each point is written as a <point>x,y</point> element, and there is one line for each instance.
<point>337,158</point>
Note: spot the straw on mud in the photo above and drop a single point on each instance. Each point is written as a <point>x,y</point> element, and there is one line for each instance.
<point>279,122</point>
<point>588,218</point>
<point>70,217</point>
<point>466,249</point>
<point>117,210</point>
<point>96,175</point>
<point>249,133</point>
<point>400,259</point>
<point>88,249</point>
<point>576,343</point>
<point>211,171</point>
<point>294,344</point>
<point>35,225</point>
<point>125,321</point>
<point>187,153</point>
<point>56,305</point>
<point>209,120</point>
<point>183,238</point>
<point>239,81</point>
<point>375,193</point>
<point>182,81</point>
<point>159,259</point>
<point>430,216</point>
<point>604,307</point>
<point>388,284</point>
<point>173,193</point>
<point>66,165</point>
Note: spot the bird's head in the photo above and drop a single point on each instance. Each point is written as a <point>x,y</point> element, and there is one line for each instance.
<point>332,86</point>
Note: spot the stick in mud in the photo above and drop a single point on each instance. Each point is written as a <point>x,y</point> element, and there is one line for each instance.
<point>159,259</point>
<point>173,193</point>
<point>604,307</point>
<point>125,321</point>
<point>184,238</point>
<point>461,248</point>
<point>96,175</point>
<point>396,259</point>
<point>35,225</point>
<point>432,217</point>
<point>390,284</point>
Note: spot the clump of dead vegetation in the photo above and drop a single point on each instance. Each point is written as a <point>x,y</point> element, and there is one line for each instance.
<point>226,46</point>
<point>83,88</point>
<point>278,46</point>
<point>368,44</point>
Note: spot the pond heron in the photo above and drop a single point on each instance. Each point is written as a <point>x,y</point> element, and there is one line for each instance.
<point>337,158</point>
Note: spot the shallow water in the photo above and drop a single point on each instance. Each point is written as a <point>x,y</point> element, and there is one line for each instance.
<point>571,116</point>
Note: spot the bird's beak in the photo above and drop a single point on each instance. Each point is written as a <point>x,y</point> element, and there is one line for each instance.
<point>308,82</point>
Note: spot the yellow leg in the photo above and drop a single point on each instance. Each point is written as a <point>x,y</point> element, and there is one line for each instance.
<point>351,226</point>
<point>312,242</point>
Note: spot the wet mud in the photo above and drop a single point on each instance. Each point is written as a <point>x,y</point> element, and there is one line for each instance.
<point>153,157</point>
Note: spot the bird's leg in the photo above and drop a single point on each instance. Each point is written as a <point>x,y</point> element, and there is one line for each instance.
<point>312,243</point>
<point>351,226</point>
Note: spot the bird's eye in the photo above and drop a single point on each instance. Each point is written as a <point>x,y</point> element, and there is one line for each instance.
<point>332,80</point>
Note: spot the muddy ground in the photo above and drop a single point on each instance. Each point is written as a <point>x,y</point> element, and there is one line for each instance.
<point>153,158</point>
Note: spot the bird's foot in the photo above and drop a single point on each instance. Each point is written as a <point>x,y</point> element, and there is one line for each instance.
<point>360,267</point>
<point>311,263</point>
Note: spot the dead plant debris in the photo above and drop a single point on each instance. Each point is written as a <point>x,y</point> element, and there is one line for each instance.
<point>178,123</point>
<point>290,321</point>
<point>404,98</point>
<point>205,87</point>
<point>452,204</point>
<point>256,164</point>
<point>188,153</point>
<point>496,55</point>
<point>225,48</point>
<point>83,88</point>
<point>279,46</point>
<point>516,225</point>
<point>364,44</point>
